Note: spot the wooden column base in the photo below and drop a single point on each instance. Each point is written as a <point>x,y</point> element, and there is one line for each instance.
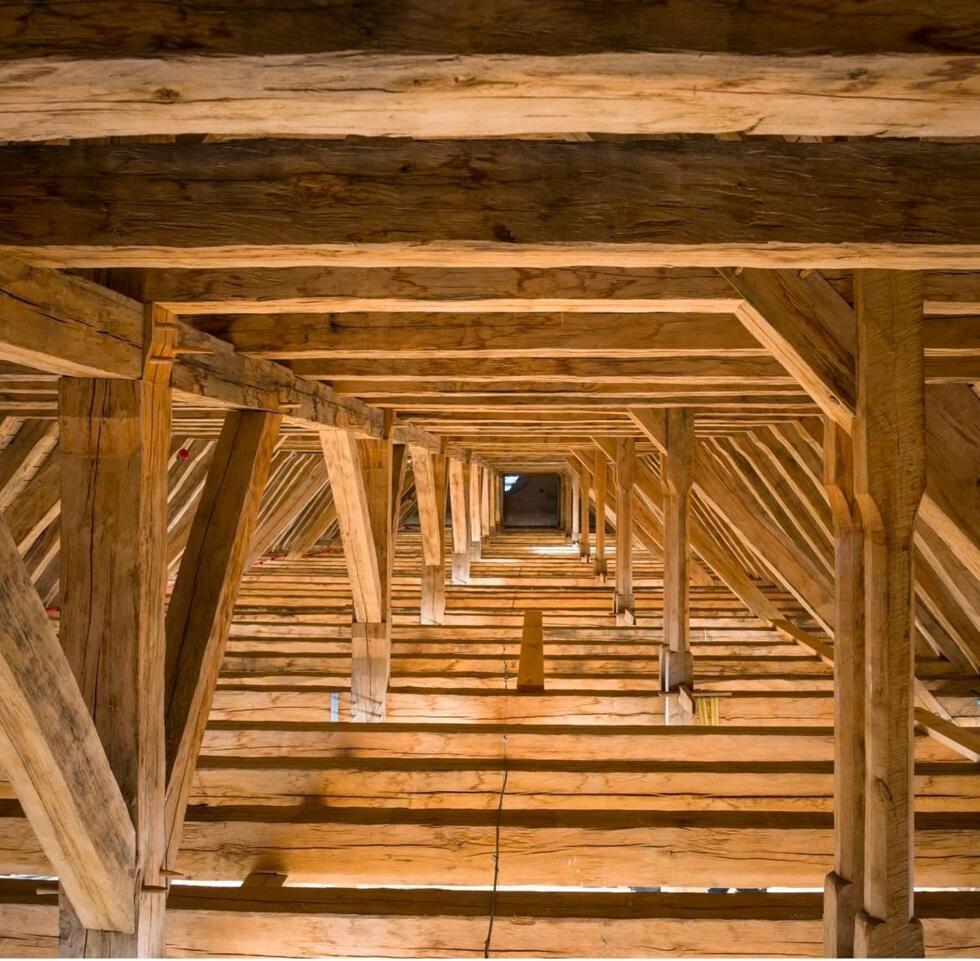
<point>370,669</point>
<point>583,549</point>
<point>461,568</point>
<point>433,609</point>
<point>600,570</point>
<point>676,668</point>
<point>874,938</point>
<point>624,607</point>
<point>476,550</point>
<point>677,709</point>
<point>841,903</point>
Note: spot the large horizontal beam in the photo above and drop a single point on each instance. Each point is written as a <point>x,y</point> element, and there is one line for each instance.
<point>523,203</point>
<point>491,290</point>
<point>270,919</point>
<point>423,70</point>
<point>66,325</point>
<point>421,335</point>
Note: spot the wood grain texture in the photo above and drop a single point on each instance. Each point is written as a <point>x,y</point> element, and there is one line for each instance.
<point>115,441</point>
<point>204,594</point>
<point>642,203</point>
<point>889,481</point>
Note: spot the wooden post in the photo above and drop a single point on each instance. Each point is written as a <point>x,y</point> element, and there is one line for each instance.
<point>599,485</point>
<point>585,480</point>
<point>361,479</point>
<point>530,669</point>
<point>843,890</point>
<point>889,480</point>
<point>459,515</point>
<point>115,439</point>
<point>431,487</point>
<point>498,502</point>
<point>575,486</point>
<point>624,604</point>
<point>485,529</point>
<point>476,541</point>
<point>204,595</point>
<point>676,664</point>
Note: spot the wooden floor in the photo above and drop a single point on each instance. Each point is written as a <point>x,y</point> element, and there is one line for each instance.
<point>424,833</point>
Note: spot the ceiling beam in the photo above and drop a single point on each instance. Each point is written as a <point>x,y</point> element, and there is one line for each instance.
<point>426,70</point>
<point>643,203</point>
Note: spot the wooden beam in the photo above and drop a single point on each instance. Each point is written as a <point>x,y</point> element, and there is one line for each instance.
<point>67,325</point>
<point>114,443</point>
<point>812,331</point>
<point>844,887</point>
<point>52,754</point>
<point>70,206</point>
<point>431,485</point>
<point>800,576</point>
<point>214,921</point>
<point>599,483</point>
<point>475,519</point>
<point>890,469</point>
<point>460,517</point>
<point>204,595</point>
<point>340,69</point>
<point>624,603</point>
<point>677,664</point>
<point>360,477</point>
<point>407,336</point>
<point>530,671</point>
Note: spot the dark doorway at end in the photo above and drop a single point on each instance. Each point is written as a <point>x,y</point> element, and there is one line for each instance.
<point>531,500</point>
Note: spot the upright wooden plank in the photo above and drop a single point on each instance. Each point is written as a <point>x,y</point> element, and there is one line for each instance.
<point>624,604</point>
<point>361,479</point>
<point>343,460</point>
<point>889,481</point>
<point>476,524</point>
<point>485,502</point>
<point>844,888</point>
<point>204,594</point>
<point>599,485</point>
<point>575,486</point>
<point>371,640</point>
<point>585,483</point>
<point>530,668</point>
<point>431,487</point>
<point>115,438</point>
<point>460,516</point>
<point>51,752</point>
<point>677,665</point>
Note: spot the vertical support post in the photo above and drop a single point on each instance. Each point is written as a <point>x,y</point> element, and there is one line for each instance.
<point>460,516</point>
<point>889,481</point>
<point>361,479</point>
<point>843,889</point>
<point>676,664</point>
<point>115,439</point>
<point>624,604</point>
<point>599,484</point>
<point>431,482</point>
<point>485,502</point>
<point>498,501</point>
<point>476,542</point>
<point>585,479</point>
<point>575,485</point>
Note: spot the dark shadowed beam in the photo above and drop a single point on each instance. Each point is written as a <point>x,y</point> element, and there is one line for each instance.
<point>500,203</point>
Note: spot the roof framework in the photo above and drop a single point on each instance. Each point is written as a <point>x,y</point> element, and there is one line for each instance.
<point>285,291</point>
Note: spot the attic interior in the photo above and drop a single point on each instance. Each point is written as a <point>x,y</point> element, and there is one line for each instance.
<point>489,479</point>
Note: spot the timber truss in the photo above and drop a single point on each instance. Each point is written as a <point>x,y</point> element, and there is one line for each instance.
<point>287,290</point>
